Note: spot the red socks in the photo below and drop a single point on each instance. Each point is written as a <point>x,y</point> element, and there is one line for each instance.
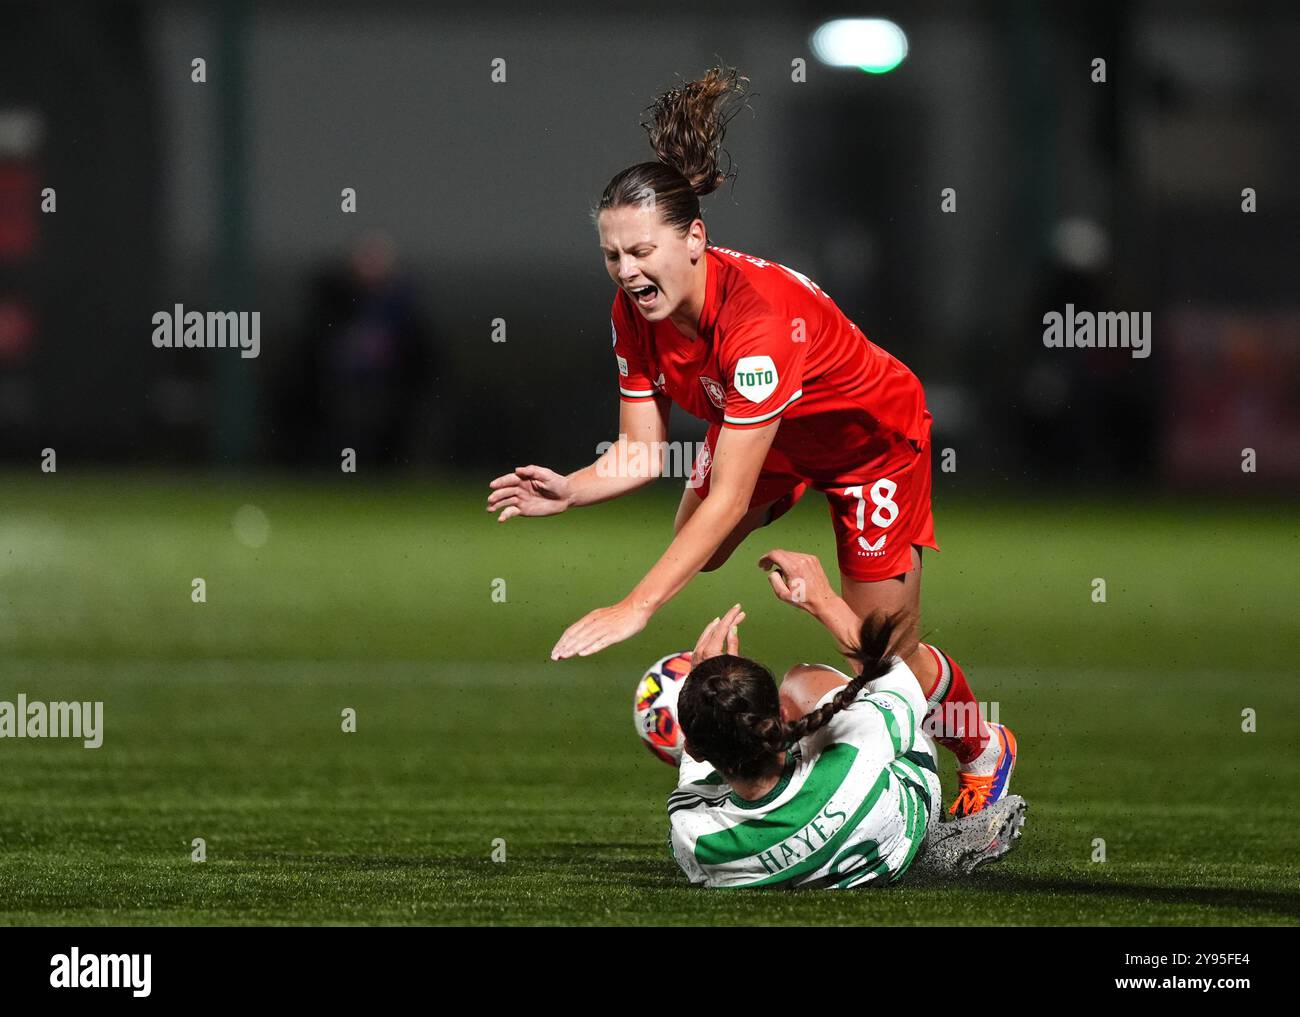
<point>954,719</point>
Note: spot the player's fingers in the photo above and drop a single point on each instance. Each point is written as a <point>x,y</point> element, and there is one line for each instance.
<point>571,637</point>
<point>595,645</point>
<point>704,636</point>
<point>501,503</point>
<point>562,645</point>
<point>778,586</point>
<point>702,644</point>
<point>777,558</point>
<point>509,513</point>
<point>718,637</point>
<point>495,503</point>
<point>733,636</point>
<point>505,478</point>
<point>728,620</point>
<point>587,644</point>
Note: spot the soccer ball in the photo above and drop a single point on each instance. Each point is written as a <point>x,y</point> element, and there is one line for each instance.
<point>654,708</point>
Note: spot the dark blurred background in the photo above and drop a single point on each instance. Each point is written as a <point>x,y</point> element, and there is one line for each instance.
<point>473,199</point>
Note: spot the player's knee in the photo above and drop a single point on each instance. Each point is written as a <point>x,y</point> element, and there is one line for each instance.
<point>803,685</point>
<point>797,677</point>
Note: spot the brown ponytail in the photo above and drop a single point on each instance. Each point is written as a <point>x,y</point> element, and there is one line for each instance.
<point>685,129</point>
<point>731,711</point>
<point>689,123</point>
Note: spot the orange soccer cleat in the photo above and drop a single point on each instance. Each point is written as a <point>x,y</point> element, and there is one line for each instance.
<point>975,790</point>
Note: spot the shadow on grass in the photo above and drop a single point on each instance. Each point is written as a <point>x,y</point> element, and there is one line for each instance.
<point>607,863</point>
<point>1283,903</point>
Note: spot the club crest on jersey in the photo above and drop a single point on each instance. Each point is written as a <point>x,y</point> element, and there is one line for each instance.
<point>613,332</point>
<point>702,463</point>
<point>714,390</point>
<point>755,378</point>
<point>622,365</point>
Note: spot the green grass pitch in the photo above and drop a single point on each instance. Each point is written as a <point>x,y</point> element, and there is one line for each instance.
<point>222,720</point>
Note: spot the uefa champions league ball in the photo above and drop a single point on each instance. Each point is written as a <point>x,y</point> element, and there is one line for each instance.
<point>654,708</point>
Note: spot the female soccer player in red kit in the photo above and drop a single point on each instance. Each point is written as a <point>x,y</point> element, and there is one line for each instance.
<point>795,395</point>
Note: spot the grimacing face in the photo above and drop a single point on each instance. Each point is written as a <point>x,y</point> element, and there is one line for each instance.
<point>650,259</point>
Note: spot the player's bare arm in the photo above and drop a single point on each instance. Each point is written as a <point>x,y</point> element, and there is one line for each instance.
<point>538,491</point>
<point>736,466</point>
<point>799,580</point>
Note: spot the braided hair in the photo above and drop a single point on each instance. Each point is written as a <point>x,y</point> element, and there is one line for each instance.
<point>730,708</point>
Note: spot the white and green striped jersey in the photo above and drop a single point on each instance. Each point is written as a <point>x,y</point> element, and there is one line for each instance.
<point>851,807</point>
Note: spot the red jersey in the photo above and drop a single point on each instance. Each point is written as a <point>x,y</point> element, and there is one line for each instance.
<point>773,345</point>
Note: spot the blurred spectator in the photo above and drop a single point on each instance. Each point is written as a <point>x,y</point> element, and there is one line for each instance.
<point>366,363</point>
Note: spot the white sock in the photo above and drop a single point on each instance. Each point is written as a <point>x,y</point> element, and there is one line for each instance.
<point>987,761</point>
<point>943,681</point>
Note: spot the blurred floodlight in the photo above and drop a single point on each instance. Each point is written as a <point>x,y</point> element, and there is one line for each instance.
<point>1081,243</point>
<point>21,131</point>
<point>872,44</point>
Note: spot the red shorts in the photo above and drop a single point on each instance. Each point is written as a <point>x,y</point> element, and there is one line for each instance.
<point>877,522</point>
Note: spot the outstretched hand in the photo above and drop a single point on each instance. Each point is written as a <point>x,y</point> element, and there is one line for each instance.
<point>529,491</point>
<point>598,629</point>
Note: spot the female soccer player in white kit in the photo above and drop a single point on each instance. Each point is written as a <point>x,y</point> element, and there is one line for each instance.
<point>831,782</point>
